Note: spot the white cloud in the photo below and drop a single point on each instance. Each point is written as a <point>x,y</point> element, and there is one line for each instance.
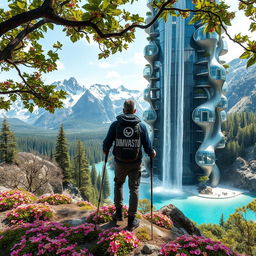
<point>138,59</point>
<point>105,64</point>
<point>112,74</point>
<point>60,65</point>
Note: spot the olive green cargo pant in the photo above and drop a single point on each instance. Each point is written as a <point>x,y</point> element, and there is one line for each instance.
<point>133,171</point>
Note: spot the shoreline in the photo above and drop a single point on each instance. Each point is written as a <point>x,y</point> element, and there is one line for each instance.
<point>220,192</point>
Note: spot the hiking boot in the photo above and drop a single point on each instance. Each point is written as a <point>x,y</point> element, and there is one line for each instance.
<point>132,223</point>
<point>118,215</point>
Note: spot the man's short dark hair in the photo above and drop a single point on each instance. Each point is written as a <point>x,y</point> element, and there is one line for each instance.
<point>129,106</point>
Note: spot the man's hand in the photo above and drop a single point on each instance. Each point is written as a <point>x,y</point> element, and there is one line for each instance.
<point>105,152</point>
<point>153,155</point>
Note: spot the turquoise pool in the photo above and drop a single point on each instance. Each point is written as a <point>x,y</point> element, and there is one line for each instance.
<point>200,210</point>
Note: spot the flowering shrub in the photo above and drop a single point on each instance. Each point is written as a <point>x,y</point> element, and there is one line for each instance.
<point>160,219</point>
<point>53,238</point>
<point>105,214</point>
<point>55,199</point>
<point>13,198</point>
<point>195,245</point>
<point>29,213</point>
<point>115,242</point>
<point>86,205</point>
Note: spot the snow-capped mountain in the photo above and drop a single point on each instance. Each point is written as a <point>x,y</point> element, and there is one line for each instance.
<point>241,87</point>
<point>84,108</point>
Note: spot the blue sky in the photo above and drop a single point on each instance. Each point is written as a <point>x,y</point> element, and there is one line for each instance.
<point>80,59</point>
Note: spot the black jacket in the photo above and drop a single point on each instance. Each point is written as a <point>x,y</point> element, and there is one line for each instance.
<point>129,120</point>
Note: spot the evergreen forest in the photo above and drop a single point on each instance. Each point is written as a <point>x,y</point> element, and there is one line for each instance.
<point>240,135</point>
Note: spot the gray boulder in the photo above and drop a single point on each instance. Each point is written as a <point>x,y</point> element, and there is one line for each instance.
<point>182,224</point>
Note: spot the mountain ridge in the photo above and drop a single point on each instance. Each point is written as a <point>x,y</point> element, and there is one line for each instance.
<point>84,107</point>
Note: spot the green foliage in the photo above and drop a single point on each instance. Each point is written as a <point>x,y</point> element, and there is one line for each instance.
<point>106,186</point>
<point>7,144</point>
<point>143,233</point>
<point>94,176</point>
<point>144,206</point>
<point>240,133</point>
<point>62,155</point>
<point>10,237</point>
<point>222,222</point>
<point>203,178</point>
<point>30,213</point>
<point>238,232</point>
<point>45,144</point>
<point>55,199</point>
<point>13,198</point>
<point>82,174</point>
<point>98,181</point>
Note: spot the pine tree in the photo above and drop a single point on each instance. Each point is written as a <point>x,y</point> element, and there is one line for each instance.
<point>7,144</point>
<point>222,222</point>
<point>83,175</point>
<point>98,181</point>
<point>94,176</point>
<point>62,155</point>
<point>106,186</point>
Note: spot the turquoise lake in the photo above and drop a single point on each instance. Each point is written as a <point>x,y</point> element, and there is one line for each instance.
<point>200,210</point>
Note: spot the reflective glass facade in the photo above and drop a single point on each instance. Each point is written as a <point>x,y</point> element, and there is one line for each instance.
<point>183,96</point>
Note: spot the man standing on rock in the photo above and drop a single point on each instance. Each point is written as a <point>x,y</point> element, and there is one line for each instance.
<point>128,135</point>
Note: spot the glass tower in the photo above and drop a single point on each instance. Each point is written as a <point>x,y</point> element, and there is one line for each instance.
<point>187,105</point>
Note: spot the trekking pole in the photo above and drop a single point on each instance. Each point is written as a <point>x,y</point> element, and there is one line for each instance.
<point>151,195</point>
<point>102,180</point>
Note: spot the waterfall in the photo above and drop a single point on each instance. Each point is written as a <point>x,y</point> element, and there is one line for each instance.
<point>167,104</point>
<point>173,111</point>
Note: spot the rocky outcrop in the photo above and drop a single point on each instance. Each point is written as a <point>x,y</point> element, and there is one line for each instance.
<point>32,173</point>
<point>182,224</point>
<point>72,191</point>
<point>241,174</point>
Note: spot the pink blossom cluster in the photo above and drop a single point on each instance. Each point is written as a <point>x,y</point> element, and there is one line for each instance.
<point>105,214</point>
<point>195,245</point>
<point>117,240</point>
<point>55,199</point>
<point>87,205</point>
<point>30,213</point>
<point>13,198</point>
<point>160,219</point>
<point>53,238</point>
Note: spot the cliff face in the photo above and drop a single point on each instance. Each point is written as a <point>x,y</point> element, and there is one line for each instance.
<point>241,174</point>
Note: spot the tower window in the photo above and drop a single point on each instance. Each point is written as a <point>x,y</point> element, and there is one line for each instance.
<point>204,116</point>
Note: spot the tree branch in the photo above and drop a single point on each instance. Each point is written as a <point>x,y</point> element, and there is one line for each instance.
<point>15,91</point>
<point>25,17</point>
<point>52,17</point>
<point>31,91</point>
<point>219,18</point>
<point>7,52</point>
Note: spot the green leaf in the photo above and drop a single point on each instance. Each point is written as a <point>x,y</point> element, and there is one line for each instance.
<point>251,61</point>
<point>51,26</point>
<point>114,12</point>
<point>105,4</point>
<point>245,55</point>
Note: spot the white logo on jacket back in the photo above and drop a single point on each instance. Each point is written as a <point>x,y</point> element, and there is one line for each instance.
<point>128,132</point>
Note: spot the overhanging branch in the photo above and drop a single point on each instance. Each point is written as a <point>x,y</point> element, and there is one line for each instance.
<point>7,52</point>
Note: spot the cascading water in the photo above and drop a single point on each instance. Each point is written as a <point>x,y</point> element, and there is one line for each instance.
<point>173,111</point>
<point>167,105</point>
